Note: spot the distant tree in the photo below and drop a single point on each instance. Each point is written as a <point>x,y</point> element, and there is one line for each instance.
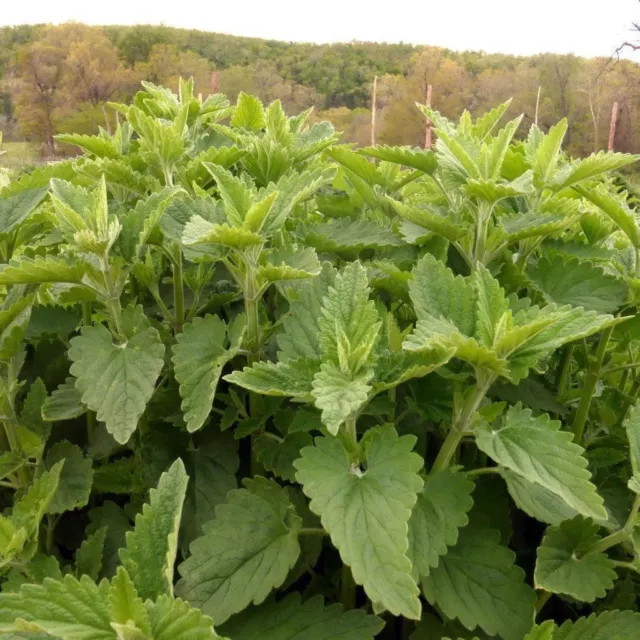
<point>65,68</point>
<point>166,64</point>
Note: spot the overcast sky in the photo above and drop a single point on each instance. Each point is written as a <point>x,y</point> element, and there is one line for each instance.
<point>584,27</point>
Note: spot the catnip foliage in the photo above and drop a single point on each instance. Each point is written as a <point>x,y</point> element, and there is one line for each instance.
<point>259,384</point>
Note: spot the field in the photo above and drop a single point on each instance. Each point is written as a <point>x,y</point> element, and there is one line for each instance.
<point>19,155</point>
<point>259,384</point>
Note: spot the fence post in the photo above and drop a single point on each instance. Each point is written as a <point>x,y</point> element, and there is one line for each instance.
<point>427,132</point>
<point>612,126</point>
<point>373,111</point>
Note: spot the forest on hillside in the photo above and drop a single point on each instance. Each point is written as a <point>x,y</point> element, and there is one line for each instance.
<point>56,79</point>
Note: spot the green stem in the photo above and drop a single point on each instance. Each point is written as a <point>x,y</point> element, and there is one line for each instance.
<point>543,598</point>
<point>312,532</point>
<point>622,367</point>
<point>626,565</point>
<point>481,233</point>
<point>609,541</point>
<point>482,472</point>
<point>178,293</point>
<point>562,379</point>
<point>347,589</point>
<point>590,382</point>
<point>460,425</point>
<point>620,536</point>
<point>349,437</point>
<point>91,416</point>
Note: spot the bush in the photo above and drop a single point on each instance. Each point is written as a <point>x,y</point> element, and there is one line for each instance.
<point>345,398</point>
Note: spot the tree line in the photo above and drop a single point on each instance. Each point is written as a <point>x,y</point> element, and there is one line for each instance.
<point>55,79</point>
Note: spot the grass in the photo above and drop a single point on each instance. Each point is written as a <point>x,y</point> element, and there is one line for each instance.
<point>18,155</point>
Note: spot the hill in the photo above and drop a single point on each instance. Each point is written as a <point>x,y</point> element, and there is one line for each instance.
<point>58,78</point>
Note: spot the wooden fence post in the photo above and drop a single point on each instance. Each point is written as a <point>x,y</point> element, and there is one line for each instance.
<point>215,82</point>
<point>373,111</point>
<point>612,126</point>
<point>427,131</point>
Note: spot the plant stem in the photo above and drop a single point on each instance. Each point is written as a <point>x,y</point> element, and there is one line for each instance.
<point>609,541</point>
<point>312,532</point>
<point>622,367</point>
<point>618,536</point>
<point>481,472</point>
<point>563,373</point>
<point>591,380</point>
<point>90,416</point>
<point>347,589</point>
<point>543,598</point>
<point>253,327</point>
<point>178,293</point>
<point>460,425</point>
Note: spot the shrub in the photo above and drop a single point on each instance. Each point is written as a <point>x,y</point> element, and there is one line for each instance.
<point>344,397</point>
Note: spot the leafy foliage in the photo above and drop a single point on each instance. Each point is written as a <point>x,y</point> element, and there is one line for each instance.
<point>318,381</point>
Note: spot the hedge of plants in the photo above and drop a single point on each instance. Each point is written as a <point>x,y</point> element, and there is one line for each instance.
<point>256,381</point>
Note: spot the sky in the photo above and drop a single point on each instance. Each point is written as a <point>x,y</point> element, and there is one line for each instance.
<point>584,27</point>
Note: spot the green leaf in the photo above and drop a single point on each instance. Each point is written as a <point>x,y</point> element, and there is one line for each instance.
<point>616,208</point>
<point>234,193</point>
<point>547,154</point>
<point>198,231</point>
<point>116,380</point>
<point>536,500</point>
<point>289,263</point>
<point>42,269</point>
<point>215,464</point>
<point>10,462</point>
<point>65,403</point>
<point>632,426</point>
<point>542,631</point>
<point>578,283</point>
<point>74,485</point>
<point>199,355</point>
<point>152,546</point>
<point>533,224</point>
<point>428,218</point>
<point>366,511</point>
<point>100,146</point>
<point>244,553</point>
<point>129,615</point>
<point>566,566</point>
<point>348,235</point>
<point>436,292</point>
<point>69,609</point>
<point>350,325</point>
<point>31,415</point>
<point>340,395</point>
<point>249,113</point>
<point>422,159</point>
<point>478,583</point>
<point>14,209</point>
<point>301,324</point>
<point>593,165</point>
<point>31,507</point>
<point>537,449</point>
<point>89,555</point>
<point>439,513</point>
<point>621,625</point>
<point>292,378</point>
<point>491,307</point>
<point>277,454</point>
<point>173,619</point>
<point>291,619</point>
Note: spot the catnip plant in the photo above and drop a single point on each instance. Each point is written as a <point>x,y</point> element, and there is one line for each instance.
<point>259,384</point>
